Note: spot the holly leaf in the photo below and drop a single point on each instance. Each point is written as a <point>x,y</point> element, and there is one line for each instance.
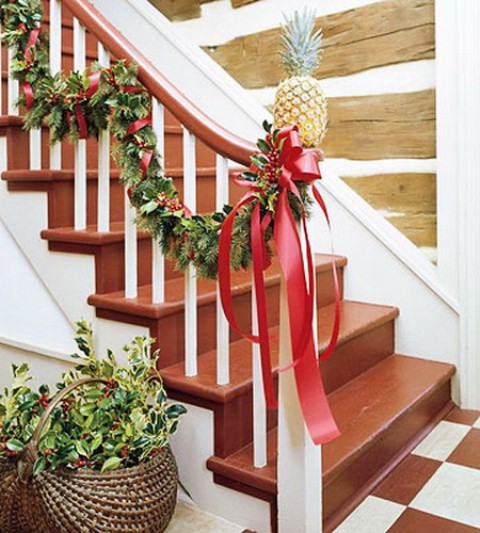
<point>82,448</point>
<point>14,445</point>
<point>39,466</point>
<point>263,146</point>
<point>111,463</point>
<point>97,441</point>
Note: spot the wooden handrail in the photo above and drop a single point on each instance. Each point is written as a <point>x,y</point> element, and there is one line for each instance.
<point>194,119</point>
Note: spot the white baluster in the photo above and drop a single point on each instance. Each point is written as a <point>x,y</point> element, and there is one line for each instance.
<point>81,144</point>
<point>223,340</point>
<point>12,87</point>
<point>36,149</point>
<point>158,260</point>
<point>259,405</point>
<point>131,253</point>
<point>158,123</point>
<point>103,207</point>
<point>55,52</point>
<point>189,187</point>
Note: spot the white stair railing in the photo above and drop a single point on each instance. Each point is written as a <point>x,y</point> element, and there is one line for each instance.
<point>223,333</point>
<point>103,203</point>
<point>158,260</point>
<point>131,250</point>
<point>80,215</point>
<point>259,403</point>
<point>190,198</point>
<point>55,55</point>
<point>12,88</point>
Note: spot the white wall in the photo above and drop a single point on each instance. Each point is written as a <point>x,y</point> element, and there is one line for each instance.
<point>28,313</point>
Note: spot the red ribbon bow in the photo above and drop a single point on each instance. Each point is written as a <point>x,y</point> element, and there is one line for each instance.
<point>148,152</point>
<point>297,165</point>
<point>94,80</point>
<point>32,41</point>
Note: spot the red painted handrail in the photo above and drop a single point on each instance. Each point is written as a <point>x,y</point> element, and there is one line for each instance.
<point>194,119</point>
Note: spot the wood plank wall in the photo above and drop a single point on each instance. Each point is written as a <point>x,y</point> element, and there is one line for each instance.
<point>188,9</point>
<point>361,128</point>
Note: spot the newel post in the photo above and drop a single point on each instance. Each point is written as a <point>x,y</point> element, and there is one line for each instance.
<point>458,176</point>
<point>299,464</point>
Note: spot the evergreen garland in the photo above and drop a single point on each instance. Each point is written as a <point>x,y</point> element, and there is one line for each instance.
<point>117,102</point>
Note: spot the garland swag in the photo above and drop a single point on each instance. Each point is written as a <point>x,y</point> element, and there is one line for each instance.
<point>81,104</point>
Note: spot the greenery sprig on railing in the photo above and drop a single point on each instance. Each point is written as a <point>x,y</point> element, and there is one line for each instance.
<point>81,104</point>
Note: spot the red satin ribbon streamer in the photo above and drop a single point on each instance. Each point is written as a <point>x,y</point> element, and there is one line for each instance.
<point>32,41</point>
<point>28,92</point>
<point>300,165</point>
<point>79,114</point>
<point>137,126</point>
<point>94,83</point>
<point>145,161</point>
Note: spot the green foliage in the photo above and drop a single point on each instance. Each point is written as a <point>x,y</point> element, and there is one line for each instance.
<point>104,426</point>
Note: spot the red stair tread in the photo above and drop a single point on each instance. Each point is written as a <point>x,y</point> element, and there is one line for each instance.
<point>356,318</point>
<point>364,408</point>
<point>52,175</point>
<point>90,235</point>
<point>8,121</point>
<point>174,291</point>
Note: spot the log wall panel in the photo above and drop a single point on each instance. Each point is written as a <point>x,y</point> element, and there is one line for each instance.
<point>379,34</point>
<point>178,9</point>
<point>240,3</point>
<point>402,193</point>
<point>420,229</point>
<point>382,126</point>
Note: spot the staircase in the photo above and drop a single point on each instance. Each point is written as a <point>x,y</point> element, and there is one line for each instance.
<point>383,402</point>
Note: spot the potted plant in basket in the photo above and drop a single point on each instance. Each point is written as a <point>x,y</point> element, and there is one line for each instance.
<point>95,455</point>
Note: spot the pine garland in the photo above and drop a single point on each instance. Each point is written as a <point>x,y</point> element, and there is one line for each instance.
<point>113,98</point>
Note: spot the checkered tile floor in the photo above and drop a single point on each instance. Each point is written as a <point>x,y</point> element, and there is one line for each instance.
<point>435,489</point>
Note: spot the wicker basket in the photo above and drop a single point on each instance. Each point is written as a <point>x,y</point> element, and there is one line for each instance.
<point>137,499</point>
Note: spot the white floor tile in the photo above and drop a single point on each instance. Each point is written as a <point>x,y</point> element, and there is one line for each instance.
<point>453,492</point>
<point>477,423</point>
<point>441,442</point>
<point>374,515</point>
<point>190,519</point>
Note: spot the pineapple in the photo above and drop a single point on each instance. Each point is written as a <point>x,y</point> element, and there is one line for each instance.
<point>299,99</point>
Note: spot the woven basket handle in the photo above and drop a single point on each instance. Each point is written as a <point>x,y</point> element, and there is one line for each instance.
<point>30,454</point>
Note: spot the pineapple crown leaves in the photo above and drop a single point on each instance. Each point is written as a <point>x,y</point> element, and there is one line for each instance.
<point>301,44</point>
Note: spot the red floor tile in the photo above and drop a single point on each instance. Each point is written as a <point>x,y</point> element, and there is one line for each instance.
<point>413,521</point>
<point>463,416</point>
<point>467,453</point>
<point>405,481</point>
